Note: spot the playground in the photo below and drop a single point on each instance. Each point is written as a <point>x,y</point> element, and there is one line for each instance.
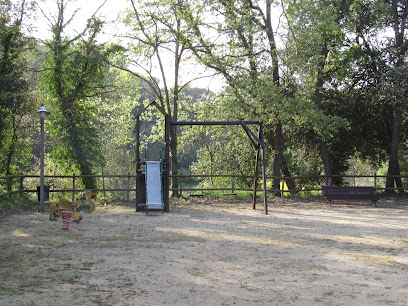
<point>203,252</point>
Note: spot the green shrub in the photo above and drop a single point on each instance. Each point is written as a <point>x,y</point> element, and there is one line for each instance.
<point>14,202</point>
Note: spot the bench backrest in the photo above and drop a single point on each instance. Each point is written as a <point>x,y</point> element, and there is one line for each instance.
<point>347,190</point>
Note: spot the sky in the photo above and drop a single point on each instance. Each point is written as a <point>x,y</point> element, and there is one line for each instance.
<point>110,11</point>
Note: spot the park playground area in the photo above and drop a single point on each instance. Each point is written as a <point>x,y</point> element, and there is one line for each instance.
<point>205,252</point>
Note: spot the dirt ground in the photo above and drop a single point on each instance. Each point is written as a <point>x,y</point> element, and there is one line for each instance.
<point>304,252</point>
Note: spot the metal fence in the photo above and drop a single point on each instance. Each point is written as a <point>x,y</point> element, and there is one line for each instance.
<point>124,186</point>
<point>303,184</point>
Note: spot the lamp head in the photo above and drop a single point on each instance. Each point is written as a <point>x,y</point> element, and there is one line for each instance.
<point>42,111</point>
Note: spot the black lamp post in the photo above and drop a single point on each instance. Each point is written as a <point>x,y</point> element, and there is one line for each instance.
<point>43,113</point>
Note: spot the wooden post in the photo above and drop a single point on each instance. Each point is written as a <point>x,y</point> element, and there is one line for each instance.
<point>181,184</point>
<point>255,178</point>
<point>137,143</point>
<point>103,185</point>
<point>21,185</point>
<point>233,184</point>
<point>139,184</point>
<point>128,188</point>
<point>263,167</point>
<point>281,187</point>
<point>73,187</point>
<point>166,164</point>
<point>10,185</point>
<point>375,180</point>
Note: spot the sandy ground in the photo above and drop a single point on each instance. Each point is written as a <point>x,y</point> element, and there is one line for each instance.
<point>302,253</point>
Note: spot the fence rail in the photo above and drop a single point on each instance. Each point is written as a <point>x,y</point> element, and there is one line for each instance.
<point>373,178</point>
<point>20,187</point>
<point>15,183</point>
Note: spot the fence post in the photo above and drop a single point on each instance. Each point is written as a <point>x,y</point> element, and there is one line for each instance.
<point>103,185</point>
<point>21,184</point>
<point>73,187</point>
<point>128,188</point>
<point>181,185</point>
<point>233,184</point>
<point>375,180</point>
<point>10,185</point>
<point>281,187</point>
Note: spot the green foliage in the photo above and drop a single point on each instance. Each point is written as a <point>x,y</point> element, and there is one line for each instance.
<point>15,92</point>
<point>115,122</point>
<point>337,76</point>
<point>321,53</point>
<point>393,86</point>
<point>225,150</point>
<point>218,149</point>
<point>74,75</point>
<point>14,202</point>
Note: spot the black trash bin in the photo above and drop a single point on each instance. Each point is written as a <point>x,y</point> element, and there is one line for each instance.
<point>46,193</point>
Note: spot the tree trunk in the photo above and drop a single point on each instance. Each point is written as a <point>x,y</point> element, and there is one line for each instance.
<point>324,153</point>
<point>10,154</point>
<point>277,162</point>
<point>393,166</point>
<point>81,157</point>
<point>89,182</point>
<point>277,142</point>
<point>84,167</point>
<point>399,26</point>
<point>288,178</point>
<point>174,159</point>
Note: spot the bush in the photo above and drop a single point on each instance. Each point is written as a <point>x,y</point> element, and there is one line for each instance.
<point>15,202</point>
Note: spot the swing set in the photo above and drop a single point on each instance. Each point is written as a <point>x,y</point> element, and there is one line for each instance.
<point>153,186</point>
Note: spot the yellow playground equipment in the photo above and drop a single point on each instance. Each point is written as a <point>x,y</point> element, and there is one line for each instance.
<point>84,204</point>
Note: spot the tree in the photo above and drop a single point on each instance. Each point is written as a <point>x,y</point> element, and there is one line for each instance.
<point>73,75</point>
<point>157,49</point>
<point>15,105</point>
<point>323,52</point>
<point>239,43</point>
<point>219,149</point>
<point>115,121</point>
<point>397,21</point>
<point>380,28</point>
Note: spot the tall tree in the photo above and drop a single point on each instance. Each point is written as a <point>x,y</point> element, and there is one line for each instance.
<point>318,52</point>
<point>238,42</point>
<point>380,29</point>
<point>15,104</point>
<point>74,75</point>
<point>397,21</point>
<point>158,54</point>
<point>115,121</point>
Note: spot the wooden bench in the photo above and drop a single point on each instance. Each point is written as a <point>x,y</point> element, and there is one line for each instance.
<point>350,193</point>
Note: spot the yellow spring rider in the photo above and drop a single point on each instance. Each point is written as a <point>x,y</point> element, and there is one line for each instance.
<point>84,204</point>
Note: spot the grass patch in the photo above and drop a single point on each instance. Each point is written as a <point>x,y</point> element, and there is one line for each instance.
<point>19,233</point>
<point>30,286</point>
<point>222,194</point>
<point>71,277</point>
<point>65,257</point>
<point>197,272</point>
<point>383,261</point>
<point>15,202</point>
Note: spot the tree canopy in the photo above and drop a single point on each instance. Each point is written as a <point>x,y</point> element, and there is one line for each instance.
<point>328,78</point>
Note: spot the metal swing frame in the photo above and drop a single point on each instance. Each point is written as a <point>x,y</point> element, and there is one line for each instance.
<point>256,140</point>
